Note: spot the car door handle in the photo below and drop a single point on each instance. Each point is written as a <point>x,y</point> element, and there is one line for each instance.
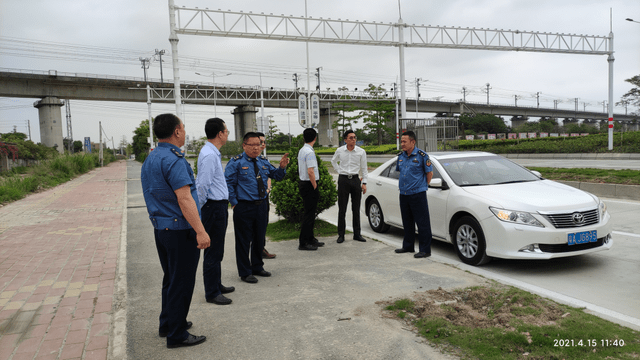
<point>379,183</point>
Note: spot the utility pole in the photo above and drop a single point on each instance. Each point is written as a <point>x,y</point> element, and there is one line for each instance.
<point>516,97</point>
<point>538,98</point>
<point>29,126</point>
<point>295,80</point>
<point>69,132</point>
<point>145,65</point>
<point>417,95</point>
<point>488,88</point>
<point>318,76</point>
<point>576,104</point>
<point>464,94</point>
<point>159,53</point>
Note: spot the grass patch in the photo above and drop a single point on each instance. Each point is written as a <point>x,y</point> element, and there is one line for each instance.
<point>21,181</point>
<point>502,322</point>
<point>625,177</point>
<point>284,230</point>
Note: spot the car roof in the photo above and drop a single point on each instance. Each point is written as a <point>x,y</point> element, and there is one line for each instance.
<point>458,154</point>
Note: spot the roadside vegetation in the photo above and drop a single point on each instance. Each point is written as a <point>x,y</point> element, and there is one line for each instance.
<point>21,181</point>
<point>503,322</point>
<point>601,176</point>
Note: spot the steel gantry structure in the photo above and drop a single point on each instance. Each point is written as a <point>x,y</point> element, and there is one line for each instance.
<point>208,22</point>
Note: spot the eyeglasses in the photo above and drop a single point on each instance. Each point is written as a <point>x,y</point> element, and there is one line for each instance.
<point>351,138</point>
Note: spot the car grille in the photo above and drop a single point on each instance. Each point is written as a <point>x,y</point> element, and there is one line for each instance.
<point>562,248</point>
<point>563,221</point>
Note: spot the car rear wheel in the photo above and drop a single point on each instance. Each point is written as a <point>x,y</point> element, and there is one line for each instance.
<point>376,218</point>
<point>469,241</point>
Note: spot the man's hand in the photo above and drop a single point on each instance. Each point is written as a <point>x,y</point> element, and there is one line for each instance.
<point>364,188</point>
<point>284,161</point>
<point>203,240</point>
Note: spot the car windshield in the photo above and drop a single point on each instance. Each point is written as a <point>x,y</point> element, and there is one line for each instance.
<point>485,170</point>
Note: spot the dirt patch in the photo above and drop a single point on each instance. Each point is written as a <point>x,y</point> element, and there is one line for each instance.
<point>479,307</point>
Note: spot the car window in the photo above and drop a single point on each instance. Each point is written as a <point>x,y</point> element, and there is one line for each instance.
<point>485,170</point>
<point>391,171</point>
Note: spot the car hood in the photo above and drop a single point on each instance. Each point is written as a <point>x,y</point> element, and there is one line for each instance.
<point>544,195</point>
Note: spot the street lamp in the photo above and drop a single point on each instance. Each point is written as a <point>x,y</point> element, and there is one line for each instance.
<point>632,20</point>
<point>215,93</point>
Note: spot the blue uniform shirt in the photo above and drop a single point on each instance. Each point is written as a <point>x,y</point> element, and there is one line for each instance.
<point>241,177</point>
<point>210,182</point>
<point>164,171</point>
<point>413,171</point>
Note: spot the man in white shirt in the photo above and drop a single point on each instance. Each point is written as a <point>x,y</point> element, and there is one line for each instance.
<point>308,185</point>
<point>350,161</point>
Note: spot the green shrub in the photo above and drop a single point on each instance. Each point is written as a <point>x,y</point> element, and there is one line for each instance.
<point>286,195</point>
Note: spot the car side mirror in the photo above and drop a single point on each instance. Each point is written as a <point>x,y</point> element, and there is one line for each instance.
<point>438,183</point>
<point>536,173</point>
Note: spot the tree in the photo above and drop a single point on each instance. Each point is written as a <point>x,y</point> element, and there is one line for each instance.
<point>77,146</point>
<point>273,128</point>
<point>632,97</point>
<point>140,143</point>
<point>346,118</point>
<point>480,123</point>
<point>378,113</point>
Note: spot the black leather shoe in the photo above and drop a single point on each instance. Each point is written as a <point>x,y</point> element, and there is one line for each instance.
<point>340,239</point>
<point>220,300</point>
<point>317,243</point>
<point>421,255</point>
<point>249,279</point>
<point>263,273</point>
<point>226,290</point>
<point>307,247</point>
<point>359,238</point>
<point>403,250</point>
<point>190,341</point>
<point>164,334</point>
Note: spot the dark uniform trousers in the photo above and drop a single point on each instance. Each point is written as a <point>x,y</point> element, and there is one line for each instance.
<point>250,224</point>
<point>349,187</point>
<point>415,210</point>
<point>179,256</point>
<point>215,217</point>
<point>310,197</point>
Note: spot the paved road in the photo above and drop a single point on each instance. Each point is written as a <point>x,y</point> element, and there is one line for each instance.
<point>606,282</point>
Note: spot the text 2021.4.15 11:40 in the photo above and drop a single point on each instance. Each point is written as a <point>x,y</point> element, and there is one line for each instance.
<point>588,342</point>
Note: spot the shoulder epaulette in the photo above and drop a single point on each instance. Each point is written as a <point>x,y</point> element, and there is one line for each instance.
<point>178,153</point>
<point>422,153</point>
<point>263,157</point>
<point>237,157</point>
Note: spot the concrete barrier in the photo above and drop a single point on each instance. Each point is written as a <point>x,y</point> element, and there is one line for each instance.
<point>618,191</point>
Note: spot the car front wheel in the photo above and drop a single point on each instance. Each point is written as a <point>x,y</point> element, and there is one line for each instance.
<point>376,218</point>
<point>469,241</point>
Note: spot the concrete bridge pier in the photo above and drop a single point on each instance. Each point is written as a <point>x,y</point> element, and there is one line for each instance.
<point>244,118</point>
<point>328,136</point>
<point>50,116</point>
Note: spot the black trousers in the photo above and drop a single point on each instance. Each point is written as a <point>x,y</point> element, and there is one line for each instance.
<point>179,255</point>
<point>215,217</point>
<point>250,225</point>
<point>415,211</point>
<point>349,187</point>
<point>310,197</point>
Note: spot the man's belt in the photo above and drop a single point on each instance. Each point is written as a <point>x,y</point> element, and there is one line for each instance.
<point>350,176</point>
<point>254,202</point>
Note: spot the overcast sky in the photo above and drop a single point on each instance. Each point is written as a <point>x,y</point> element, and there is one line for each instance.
<point>107,37</point>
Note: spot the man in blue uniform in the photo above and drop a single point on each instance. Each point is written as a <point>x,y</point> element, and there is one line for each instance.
<point>246,176</point>
<point>170,194</point>
<point>213,198</point>
<point>415,175</point>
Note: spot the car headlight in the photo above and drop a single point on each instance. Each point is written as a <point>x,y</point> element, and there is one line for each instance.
<point>516,217</point>
<point>603,209</point>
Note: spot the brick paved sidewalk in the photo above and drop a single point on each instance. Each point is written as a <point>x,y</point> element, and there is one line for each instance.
<point>58,257</point>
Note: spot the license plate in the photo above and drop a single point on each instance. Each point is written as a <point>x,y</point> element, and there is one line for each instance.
<point>582,237</point>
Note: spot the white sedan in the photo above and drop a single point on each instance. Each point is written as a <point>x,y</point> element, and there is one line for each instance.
<point>488,206</point>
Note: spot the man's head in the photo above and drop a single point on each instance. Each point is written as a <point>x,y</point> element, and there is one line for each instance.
<point>309,135</point>
<point>349,138</point>
<point>216,128</point>
<point>263,141</point>
<point>251,144</point>
<point>408,141</point>
<point>168,126</point>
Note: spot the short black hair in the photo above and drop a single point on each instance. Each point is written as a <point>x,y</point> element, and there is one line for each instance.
<point>346,133</point>
<point>410,134</point>
<point>213,127</point>
<point>309,135</point>
<point>164,125</point>
<point>250,135</point>
<point>260,134</point>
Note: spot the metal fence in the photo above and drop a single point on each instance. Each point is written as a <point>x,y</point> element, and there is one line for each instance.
<point>434,134</point>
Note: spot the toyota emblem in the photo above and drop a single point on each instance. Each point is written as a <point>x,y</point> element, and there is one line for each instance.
<point>578,218</point>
